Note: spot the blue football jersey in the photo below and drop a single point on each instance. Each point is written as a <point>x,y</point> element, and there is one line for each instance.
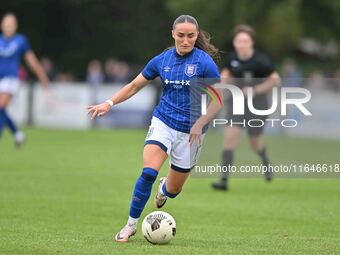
<point>11,51</point>
<point>178,74</point>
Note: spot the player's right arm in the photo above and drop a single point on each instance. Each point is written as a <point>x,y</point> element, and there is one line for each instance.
<point>150,72</point>
<point>36,67</point>
<point>123,94</point>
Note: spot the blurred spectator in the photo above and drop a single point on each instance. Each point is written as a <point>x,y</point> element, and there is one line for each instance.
<point>49,68</point>
<point>292,77</point>
<point>337,80</point>
<point>64,77</point>
<point>23,75</point>
<point>122,72</point>
<point>315,83</point>
<point>333,79</point>
<point>291,74</point>
<point>117,71</point>
<point>110,70</point>
<point>95,75</point>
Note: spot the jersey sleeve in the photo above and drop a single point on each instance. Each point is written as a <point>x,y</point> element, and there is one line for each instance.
<point>267,66</point>
<point>151,70</point>
<point>25,46</point>
<point>211,69</point>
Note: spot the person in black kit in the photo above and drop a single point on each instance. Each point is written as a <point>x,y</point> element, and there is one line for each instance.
<point>246,67</point>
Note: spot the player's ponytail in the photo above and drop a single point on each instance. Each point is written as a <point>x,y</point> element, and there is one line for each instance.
<point>203,43</point>
<point>203,39</point>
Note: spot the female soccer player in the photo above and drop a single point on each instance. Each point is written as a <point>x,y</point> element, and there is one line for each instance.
<point>12,47</point>
<point>249,67</point>
<point>172,132</point>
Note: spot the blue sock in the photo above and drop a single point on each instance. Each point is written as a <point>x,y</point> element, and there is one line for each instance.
<point>165,192</point>
<point>142,191</point>
<point>2,119</point>
<point>10,123</point>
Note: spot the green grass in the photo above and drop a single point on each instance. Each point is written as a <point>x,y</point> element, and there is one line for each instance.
<point>68,192</point>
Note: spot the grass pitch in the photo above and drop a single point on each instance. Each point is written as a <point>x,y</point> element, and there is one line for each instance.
<point>68,192</point>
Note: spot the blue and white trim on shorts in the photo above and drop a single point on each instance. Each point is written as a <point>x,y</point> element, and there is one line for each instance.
<point>183,156</point>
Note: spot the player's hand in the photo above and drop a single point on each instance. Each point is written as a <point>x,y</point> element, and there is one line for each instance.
<point>50,98</point>
<point>195,133</point>
<point>46,84</point>
<point>245,91</point>
<point>98,110</point>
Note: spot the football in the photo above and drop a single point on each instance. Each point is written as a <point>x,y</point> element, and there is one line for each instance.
<point>159,227</point>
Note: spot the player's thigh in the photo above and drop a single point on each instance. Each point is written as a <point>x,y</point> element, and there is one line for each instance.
<point>232,136</point>
<point>157,144</point>
<point>183,155</point>
<point>5,99</point>
<point>255,132</point>
<point>256,142</point>
<point>175,180</point>
<point>154,156</point>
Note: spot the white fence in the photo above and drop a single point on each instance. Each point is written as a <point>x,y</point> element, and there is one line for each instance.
<point>66,107</point>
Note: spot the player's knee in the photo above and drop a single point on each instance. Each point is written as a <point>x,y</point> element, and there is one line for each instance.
<point>152,162</point>
<point>255,145</point>
<point>230,143</point>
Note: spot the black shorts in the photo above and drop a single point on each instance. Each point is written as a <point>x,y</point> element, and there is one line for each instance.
<point>252,122</point>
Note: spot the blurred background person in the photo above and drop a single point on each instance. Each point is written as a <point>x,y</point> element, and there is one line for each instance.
<point>109,68</point>
<point>95,78</point>
<point>14,46</point>
<point>116,71</point>
<point>23,74</point>
<point>64,77</point>
<point>337,80</point>
<point>95,75</point>
<point>316,82</point>
<point>121,71</point>
<point>291,74</point>
<point>49,68</point>
<point>292,77</point>
<point>249,68</point>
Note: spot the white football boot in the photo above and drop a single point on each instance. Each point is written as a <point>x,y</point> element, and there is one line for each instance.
<point>125,233</point>
<point>160,199</point>
<point>19,139</point>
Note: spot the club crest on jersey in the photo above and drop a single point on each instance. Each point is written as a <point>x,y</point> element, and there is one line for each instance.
<point>190,70</point>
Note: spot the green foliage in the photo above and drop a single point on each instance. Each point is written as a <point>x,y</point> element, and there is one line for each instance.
<point>282,29</point>
<point>72,32</point>
<point>279,24</point>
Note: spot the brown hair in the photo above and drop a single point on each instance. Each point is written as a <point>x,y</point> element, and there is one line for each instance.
<point>9,14</point>
<point>203,38</point>
<point>245,29</point>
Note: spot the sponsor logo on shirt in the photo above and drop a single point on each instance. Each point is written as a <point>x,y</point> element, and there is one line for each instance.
<point>177,84</point>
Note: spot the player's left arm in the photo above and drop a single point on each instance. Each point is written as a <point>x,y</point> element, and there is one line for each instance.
<point>213,75</point>
<point>34,64</point>
<point>273,80</point>
<point>213,108</point>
